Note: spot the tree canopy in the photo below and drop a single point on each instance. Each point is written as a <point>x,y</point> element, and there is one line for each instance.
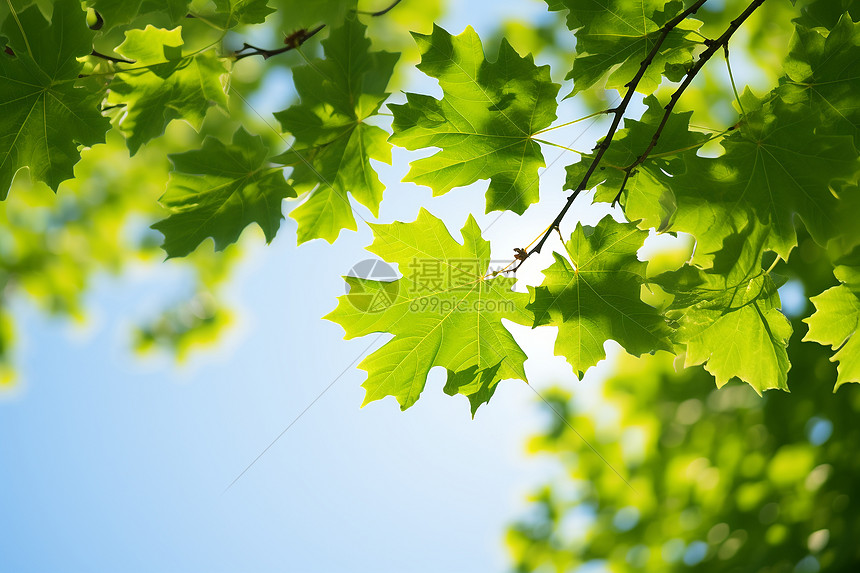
<point>128,131</point>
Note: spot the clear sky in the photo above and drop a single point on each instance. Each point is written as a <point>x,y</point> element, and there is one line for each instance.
<point>113,463</point>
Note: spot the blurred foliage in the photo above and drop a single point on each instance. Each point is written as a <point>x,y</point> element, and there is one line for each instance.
<point>53,248</point>
<point>721,480</point>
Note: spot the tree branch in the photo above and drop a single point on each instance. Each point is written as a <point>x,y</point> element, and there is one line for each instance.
<point>713,47</point>
<point>619,112</point>
<point>382,12</point>
<point>298,38</point>
<point>295,41</point>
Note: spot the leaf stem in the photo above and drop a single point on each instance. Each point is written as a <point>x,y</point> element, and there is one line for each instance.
<point>20,27</point>
<point>557,145</point>
<point>732,79</point>
<point>772,265</point>
<point>206,21</point>
<point>589,116</point>
<point>689,147</point>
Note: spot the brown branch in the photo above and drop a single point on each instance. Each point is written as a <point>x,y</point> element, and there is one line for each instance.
<point>713,47</point>
<point>619,112</point>
<point>382,12</point>
<point>296,39</point>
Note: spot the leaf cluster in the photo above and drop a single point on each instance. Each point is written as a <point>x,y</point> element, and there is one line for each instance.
<point>783,164</point>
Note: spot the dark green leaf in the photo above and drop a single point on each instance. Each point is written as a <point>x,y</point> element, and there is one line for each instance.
<point>333,144</point>
<point>43,115</point>
<point>595,296</point>
<point>220,189</point>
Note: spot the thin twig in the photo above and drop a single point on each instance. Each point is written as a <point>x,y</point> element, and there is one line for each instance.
<point>382,12</point>
<point>295,40</point>
<point>619,112</point>
<point>713,47</point>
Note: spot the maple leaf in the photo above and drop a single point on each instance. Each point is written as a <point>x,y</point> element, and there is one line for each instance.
<point>444,313</point>
<point>163,84</point>
<point>43,115</point>
<point>333,144</point>
<point>824,73</point>
<point>614,36</point>
<point>728,316</point>
<point>476,385</point>
<point>776,167</point>
<point>118,12</point>
<point>595,296</point>
<point>826,13</point>
<point>304,14</point>
<point>837,319</point>
<point>231,13</point>
<point>220,189</point>
<point>484,123</point>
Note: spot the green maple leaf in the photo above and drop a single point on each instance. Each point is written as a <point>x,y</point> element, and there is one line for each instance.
<point>837,319</point>
<point>476,385</point>
<point>728,317</point>
<point>595,296</point>
<point>304,14</point>
<point>617,35</point>
<point>824,72</point>
<point>646,197</point>
<point>118,12</point>
<point>333,144</point>
<point>776,167</point>
<point>220,189</point>
<point>442,313</point>
<point>17,5</point>
<point>231,13</point>
<point>484,123</point>
<point>43,115</point>
<point>163,84</point>
<point>826,13</point>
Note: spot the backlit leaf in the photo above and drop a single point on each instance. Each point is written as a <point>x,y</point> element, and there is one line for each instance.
<point>333,145</point>
<point>593,295</point>
<point>443,312</point>
<point>484,123</point>
<point>837,319</point>
<point>164,84</point>
<point>728,318</point>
